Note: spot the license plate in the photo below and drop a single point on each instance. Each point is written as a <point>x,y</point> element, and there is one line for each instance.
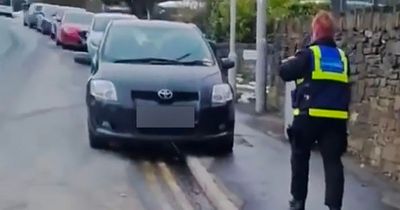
<point>165,117</point>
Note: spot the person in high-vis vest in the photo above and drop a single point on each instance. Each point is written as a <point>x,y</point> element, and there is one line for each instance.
<point>321,108</point>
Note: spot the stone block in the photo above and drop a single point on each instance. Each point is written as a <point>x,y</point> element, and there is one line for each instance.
<point>373,59</point>
<point>376,39</point>
<point>394,75</point>
<point>384,103</point>
<point>393,83</point>
<point>370,82</point>
<point>391,126</point>
<point>396,48</point>
<point>368,50</point>
<point>356,144</point>
<point>371,92</point>
<point>389,166</point>
<point>382,82</point>
<point>384,92</point>
<point>396,140</point>
<point>396,103</point>
<point>391,153</point>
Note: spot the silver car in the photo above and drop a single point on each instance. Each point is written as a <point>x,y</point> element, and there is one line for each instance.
<point>98,27</point>
<point>31,14</point>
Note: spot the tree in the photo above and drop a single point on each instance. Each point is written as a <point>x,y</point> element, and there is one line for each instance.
<point>138,7</point>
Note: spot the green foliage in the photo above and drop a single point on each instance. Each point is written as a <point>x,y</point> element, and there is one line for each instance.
<point>246,16</point>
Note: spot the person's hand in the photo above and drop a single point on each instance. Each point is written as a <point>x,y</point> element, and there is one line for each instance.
<point>287,59</point>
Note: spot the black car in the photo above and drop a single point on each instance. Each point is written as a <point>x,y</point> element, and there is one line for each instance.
<point>159,81</point>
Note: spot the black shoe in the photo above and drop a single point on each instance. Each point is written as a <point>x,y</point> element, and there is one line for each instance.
<point>333,208</point>
<point>296,205</point>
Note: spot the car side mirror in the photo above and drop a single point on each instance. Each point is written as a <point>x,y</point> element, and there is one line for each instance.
<point>94,64</point>
<point>227,64</point>
<point>82,58</point>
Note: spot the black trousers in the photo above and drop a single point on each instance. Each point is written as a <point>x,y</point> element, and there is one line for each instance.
<point>331,136</point>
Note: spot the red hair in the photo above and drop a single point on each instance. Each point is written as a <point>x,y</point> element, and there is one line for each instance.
<point>323,25</point>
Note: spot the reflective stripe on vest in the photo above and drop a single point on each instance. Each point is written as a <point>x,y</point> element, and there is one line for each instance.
<point>323,74</point>
<point>324,113</point>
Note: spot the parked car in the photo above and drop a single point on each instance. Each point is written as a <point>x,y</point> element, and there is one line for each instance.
<point>159,81</point>
<point>99,24</point>
<point>56,20</point>
<point>6,8</point>
<point>31,12</point>
<point>44,18</point>
<point>72,25</point>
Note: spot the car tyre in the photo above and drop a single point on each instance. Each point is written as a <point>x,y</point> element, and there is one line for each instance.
<point>96,142</point>
<point>223,146</point>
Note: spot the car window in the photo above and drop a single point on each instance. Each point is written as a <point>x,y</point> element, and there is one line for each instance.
<point>5,2</point>
<point>78,18</point>
<point>38,8</point>
<point>100,23</point>
<point>49,11</point>
<point>140,42</point>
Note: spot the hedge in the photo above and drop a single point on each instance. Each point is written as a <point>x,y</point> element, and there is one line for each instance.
<point>218,21</point>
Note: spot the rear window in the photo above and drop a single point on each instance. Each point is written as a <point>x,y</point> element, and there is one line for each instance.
<point>50,10</point>
<point>38,8</point>
<point>78,18</point>
<point>5,2</point>
<point>100,23</point>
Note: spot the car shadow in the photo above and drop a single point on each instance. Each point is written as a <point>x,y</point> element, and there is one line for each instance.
<point>166,152</point>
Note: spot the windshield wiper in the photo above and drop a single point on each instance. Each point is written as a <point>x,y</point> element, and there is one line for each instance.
<point>197,62</point>
<point>165,61</point>
<point>148,60</point>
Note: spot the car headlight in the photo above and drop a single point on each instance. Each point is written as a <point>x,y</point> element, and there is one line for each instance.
<point>221,94</point>
<point>103,90</point>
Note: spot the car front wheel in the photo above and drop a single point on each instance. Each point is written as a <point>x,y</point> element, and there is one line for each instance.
<point>223,146</point>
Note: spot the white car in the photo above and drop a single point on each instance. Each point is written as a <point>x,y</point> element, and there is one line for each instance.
<point>98,27</point>
<point>6,8</point>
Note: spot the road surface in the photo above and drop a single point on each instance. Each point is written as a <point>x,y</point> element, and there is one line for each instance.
<point>46,162</point>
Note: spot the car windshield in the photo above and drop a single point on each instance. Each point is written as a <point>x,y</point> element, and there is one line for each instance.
<point>79,18</point>
<point>127,43</point>
<point>100,23</point>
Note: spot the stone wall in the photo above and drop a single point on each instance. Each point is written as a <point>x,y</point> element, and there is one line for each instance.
<point>372,41</point>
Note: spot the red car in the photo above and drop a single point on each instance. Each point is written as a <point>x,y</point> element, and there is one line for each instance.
<point>73,26</point>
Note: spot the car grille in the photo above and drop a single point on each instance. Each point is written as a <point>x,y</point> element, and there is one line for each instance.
<point>168,131</point>
<point>153,96</point>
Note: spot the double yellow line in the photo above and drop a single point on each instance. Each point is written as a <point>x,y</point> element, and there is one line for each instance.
<point>150,172</point>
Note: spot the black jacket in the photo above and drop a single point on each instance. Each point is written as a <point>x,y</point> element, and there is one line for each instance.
<point>299,66</point>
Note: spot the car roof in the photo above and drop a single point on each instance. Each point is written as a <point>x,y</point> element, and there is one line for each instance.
<point>114,14</point>
<point>77,12</point>
<point>155,23</point>
<point>40,4</point>
<point>72,8</point>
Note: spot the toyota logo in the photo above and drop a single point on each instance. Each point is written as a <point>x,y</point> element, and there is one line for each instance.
<point>165,94</point>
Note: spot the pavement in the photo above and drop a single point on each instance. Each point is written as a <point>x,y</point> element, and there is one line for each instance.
<point>46,161</point>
